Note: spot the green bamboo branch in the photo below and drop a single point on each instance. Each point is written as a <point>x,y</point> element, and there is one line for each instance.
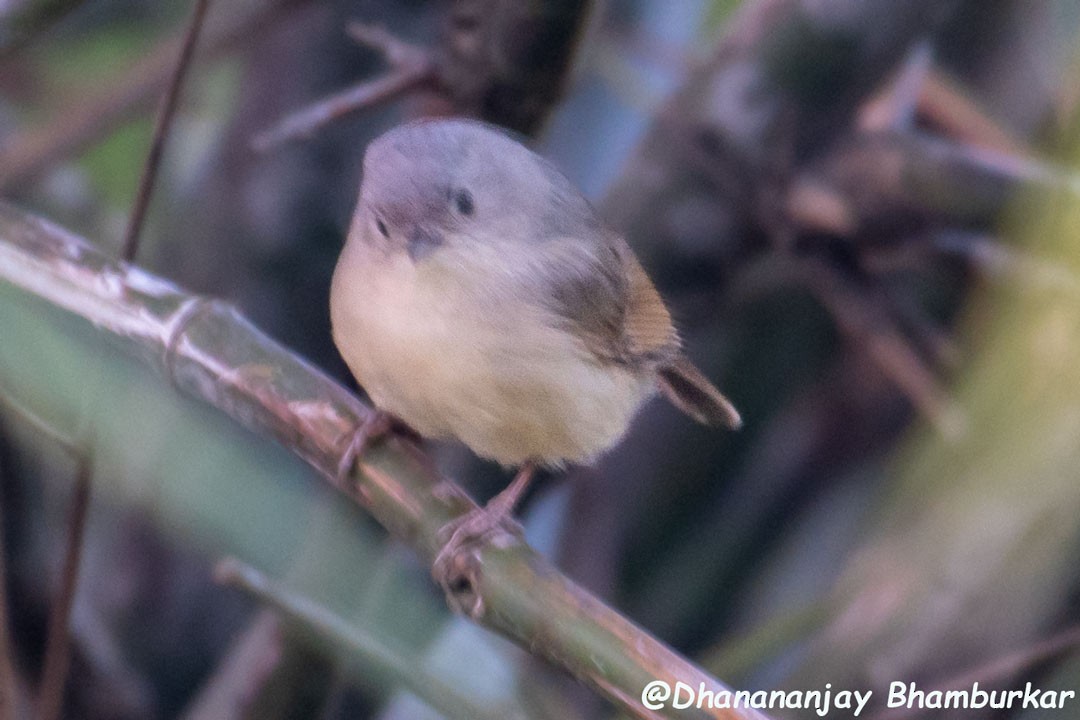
<point>205,348</point>
<point>361,649</point>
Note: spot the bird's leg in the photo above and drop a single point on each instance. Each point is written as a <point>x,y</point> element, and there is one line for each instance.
<point>374,427</point>
<point>480,522</point>
<point>502,505</point>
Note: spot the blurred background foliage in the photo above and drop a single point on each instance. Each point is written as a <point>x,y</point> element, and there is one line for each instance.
<point>903,504</point>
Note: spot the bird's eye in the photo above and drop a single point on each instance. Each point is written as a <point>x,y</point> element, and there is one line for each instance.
<point>463,201</point>
<point>382,228</point>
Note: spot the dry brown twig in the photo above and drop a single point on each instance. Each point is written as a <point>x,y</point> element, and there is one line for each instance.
<point>934,340</point>
<point>872,322</point>
<point>921,91</point>
<point>411,68</point>
<point>868,324</point>
<point>500,60</point>
<point>58,642</point>
<point>89,117</point>
<point>241,673</point>
<point>896,105</point>
<point>162,126</point>
<point>10,697</point>
<point>944,105</point>
<point>880,174</point>
<point>998,260</point>
<point>866,315</point>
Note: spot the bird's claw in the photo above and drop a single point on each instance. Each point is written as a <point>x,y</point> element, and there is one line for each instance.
<point>374,427</point>
<point>476,528</point>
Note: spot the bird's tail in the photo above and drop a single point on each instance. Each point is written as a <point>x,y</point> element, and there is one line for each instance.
<point>690,391</point>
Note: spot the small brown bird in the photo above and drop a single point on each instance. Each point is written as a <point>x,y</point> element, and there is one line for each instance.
<point>479,298</point>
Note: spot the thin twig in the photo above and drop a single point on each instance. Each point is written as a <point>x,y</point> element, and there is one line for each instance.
<point>306,122</point>
<point>945,106</point>
<point>411,68</point>
<point>869,320</point>
<point>245,669</point>
<point>367,653</point>
<point>39,424</point>
<point>9,684</point>
<point>87,118</point>
<point>859,317</point>
<point>926,333</point>
<point>161,132</point>
<point>987,255</point>
<point>396,51</point>
<point>58,644</point>
<point>895,107</point>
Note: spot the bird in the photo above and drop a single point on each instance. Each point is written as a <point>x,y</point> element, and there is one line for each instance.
<point>479,297</point>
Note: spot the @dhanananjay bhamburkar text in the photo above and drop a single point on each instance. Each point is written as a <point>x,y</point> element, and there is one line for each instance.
<point>660,694</point>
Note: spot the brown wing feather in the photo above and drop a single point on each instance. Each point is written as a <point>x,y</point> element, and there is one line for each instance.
<point>647,328</point>
<point>589,291</point>
<point>617,312</point>
<point>649,333</point>
<point>690,391</point>
<point>612,303</point>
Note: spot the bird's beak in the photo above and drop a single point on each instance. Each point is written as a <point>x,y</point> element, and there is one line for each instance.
<point>422,241</point>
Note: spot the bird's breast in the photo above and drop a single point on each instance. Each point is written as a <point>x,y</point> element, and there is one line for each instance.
<point>431,346</point>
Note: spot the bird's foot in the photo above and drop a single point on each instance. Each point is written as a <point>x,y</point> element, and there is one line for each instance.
<point>455,568</point>
<point>376,426</point>
<point>475,528</point>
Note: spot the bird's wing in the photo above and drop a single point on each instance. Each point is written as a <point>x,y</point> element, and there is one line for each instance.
<point>607,299</point>
<point>604,295</point>
<point>690,391</point>
<point>647,328</point>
